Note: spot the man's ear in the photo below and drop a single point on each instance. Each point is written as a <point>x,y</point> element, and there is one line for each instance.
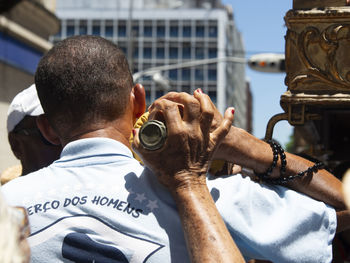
<point>46,130</point>
<point>138,92</point>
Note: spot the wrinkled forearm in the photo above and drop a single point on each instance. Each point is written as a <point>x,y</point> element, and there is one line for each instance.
<point>246,150</point>
<point>322,185</point>
<point>207,237</point>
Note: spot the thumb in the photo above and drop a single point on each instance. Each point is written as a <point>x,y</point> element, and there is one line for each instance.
<point>220,132</point>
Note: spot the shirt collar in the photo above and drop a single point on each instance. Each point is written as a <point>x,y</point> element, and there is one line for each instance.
<point>98,146</point>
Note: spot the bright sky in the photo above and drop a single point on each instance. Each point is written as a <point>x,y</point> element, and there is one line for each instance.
<point>262,26</point>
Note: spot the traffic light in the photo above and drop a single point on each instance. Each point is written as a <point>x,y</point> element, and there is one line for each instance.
<point>268,62</point>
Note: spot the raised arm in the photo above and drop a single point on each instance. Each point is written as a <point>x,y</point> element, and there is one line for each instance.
<point>244,149</point>
<point>181,165</point>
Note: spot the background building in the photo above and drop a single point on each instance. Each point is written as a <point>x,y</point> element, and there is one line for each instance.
<point>155,33</point>
<point>25,27</point>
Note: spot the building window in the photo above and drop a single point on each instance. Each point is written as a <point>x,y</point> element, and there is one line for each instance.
<point>147,52</point>
<point>135,52</point>
<point>148,97</point>
<point>96,30</point>
<point>213,53</point>
<point>109,31</point>
<point>147,31</point>
<point>160,31</point>
<point>160,52</point>
<point>186,74</point>
<point>186,31</point>
<point>199,53</point>
<point>199,31</point>
<point>174,31</point>
<point>173,52</point>
<point>70,31</point>
<point>146,78</point>
<point>122,31</point>
<point>82,30</point>
<point>199,74</point>
<point>212,74</point>
<point>125,50</point>
<point>212,95</point>
<point>135,31</point>
<point>159,93</point>
<point>186,52</point>
<point>173,74</point>
<point>213,31</point>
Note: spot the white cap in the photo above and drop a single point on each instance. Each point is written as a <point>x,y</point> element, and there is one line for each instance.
<point>25,103</point>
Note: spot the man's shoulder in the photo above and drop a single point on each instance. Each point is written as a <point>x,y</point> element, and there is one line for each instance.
<point>22,183</point>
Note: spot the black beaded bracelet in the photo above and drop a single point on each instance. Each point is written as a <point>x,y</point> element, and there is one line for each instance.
<point>309,171</point>
<point>277,150</point>
<point>282,156</point>
<point>264,176</point>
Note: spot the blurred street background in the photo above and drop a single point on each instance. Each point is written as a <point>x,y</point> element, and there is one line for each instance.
<point>171,45</point>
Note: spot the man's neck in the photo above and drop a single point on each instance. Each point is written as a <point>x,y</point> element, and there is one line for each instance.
<point>106,133</point>
<point>119,133</point>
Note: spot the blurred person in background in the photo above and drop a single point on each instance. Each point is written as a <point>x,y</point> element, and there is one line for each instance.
<point>26,140</point>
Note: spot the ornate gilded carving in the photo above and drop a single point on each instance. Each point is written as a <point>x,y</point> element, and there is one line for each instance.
<point>318,54</point>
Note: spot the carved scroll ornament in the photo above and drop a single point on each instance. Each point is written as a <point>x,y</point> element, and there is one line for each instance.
<point>325,59</point>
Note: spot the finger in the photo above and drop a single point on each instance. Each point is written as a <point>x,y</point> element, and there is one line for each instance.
<point>155,114</point>
<point>179,97</point>
<point>191,108</point>
<point>199,91</point>
<point>219,134</point>
<point>168,112</point>
<point>173,96</point>
<point>207,110</point>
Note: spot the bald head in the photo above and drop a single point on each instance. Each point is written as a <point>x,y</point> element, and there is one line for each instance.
<point>83,80</point>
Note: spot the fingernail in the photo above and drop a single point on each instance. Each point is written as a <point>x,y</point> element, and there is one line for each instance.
<point>199,90</point>
<point>133,132</point>
<point>233,111</point>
